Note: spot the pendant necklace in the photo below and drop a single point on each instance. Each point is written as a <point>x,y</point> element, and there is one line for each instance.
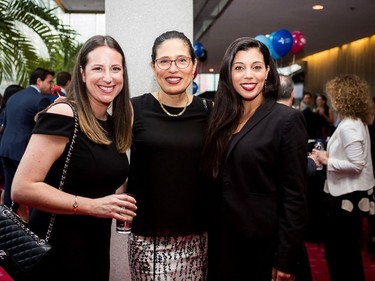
<point>170,114</point>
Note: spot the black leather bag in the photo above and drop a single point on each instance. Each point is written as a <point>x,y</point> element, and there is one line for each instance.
<point>21,251</point>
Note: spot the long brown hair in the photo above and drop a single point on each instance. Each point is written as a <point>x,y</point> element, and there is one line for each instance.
<point>121,107</point>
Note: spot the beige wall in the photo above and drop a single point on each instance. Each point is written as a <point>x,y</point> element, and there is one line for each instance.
<point>136,24</point>
<point>357,57</point>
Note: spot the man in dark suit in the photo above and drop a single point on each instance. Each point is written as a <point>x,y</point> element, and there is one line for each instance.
<point>19,122</point>
<point>285,96</point>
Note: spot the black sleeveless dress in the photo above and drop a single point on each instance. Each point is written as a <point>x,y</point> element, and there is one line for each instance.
<point>80,243</point>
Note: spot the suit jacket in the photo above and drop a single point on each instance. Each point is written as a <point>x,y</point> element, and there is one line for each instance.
<point>263,205</point>
<point>19,121</point>
<point>349,166</point>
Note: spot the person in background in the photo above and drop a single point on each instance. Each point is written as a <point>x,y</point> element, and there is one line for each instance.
<point>307,101</point>
<point>21,109</point>
<point>350,178</point>
<point>63,80</point>
<point>255,153</point>
<point>9,91</point>
<point>285,96</point>
<point>169,239</point>
<point>371,219</point>
<point>326,115</point>
<point>98,166</point>
<point>315,179</point>
<point>313,123</point>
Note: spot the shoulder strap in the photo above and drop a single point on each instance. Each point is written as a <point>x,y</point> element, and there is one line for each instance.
<point>207,105</point>
<point>65,169</point>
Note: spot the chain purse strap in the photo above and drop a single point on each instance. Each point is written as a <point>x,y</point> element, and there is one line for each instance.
<point>65,169</point>
<point>8,213</point>
<point>11,215</point>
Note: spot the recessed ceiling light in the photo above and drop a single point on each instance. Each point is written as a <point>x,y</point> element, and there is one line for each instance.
<point>211,70</point>
<point>318,7</point>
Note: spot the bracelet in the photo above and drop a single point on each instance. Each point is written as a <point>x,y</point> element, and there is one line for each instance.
<point>75,204</point>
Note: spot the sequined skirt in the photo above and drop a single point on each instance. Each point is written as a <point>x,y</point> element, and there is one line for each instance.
<point>168,258</point>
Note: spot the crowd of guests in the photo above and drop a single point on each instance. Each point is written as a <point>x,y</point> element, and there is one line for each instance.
<point>319,116</point>
<point>219,190</point>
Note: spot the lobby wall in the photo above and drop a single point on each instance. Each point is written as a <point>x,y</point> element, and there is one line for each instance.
<point>357,57</point>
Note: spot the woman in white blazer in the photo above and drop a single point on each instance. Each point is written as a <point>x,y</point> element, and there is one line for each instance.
<point>350,178</point>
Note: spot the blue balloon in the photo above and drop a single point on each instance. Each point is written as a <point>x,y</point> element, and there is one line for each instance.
<point>198,49</point>
<point>282,41</point>
<point>267,41</point>
<point>195,88</point>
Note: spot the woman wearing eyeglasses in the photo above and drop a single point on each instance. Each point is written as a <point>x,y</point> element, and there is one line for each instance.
<point>168,240</point>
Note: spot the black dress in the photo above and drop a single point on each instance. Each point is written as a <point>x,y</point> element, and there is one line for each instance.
<point>164,172</point>
<point>80,243</point>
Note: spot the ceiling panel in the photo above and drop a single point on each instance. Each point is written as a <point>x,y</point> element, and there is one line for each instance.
<point>81,6</point>
<point>218,22</point>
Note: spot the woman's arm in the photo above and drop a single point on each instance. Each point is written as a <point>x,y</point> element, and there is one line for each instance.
<point>29,187</point>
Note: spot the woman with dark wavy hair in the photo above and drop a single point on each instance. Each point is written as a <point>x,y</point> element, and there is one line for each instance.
<point>255,152</point>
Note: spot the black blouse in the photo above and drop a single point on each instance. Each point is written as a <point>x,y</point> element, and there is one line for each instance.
<point>164,170</point>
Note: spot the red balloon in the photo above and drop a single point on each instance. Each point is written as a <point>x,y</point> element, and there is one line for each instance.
<point>299,42</point>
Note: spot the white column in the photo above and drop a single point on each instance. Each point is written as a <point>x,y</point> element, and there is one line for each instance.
<point>135,24</point>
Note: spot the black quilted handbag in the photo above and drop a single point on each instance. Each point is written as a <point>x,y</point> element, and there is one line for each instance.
<point>21,251</point>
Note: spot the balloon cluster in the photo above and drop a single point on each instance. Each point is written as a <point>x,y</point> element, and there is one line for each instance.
<point>281,42</point>
<point>201,54</point>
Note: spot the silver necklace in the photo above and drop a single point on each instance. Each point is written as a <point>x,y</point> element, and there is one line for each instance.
<point>170,114</point>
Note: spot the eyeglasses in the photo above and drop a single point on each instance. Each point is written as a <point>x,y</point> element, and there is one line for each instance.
<point>181,62</point>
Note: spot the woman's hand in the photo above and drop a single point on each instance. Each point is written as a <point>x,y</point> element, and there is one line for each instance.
<point>116,206</point>
<point>315,158</point>
<point>321,156</point>
<point>281,276</point>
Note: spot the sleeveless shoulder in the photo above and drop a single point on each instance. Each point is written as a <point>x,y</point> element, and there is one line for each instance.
<point>54,124</point>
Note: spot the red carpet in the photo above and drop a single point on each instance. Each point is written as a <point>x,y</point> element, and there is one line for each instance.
<point>319,266</point>
<point>317,263</point>
<point>4,276</point>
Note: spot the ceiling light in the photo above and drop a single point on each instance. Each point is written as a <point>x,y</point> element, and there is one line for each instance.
<point>211,70</point>
<point>318,7</point>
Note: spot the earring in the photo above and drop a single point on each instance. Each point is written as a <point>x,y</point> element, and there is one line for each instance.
<point>265,84</point>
